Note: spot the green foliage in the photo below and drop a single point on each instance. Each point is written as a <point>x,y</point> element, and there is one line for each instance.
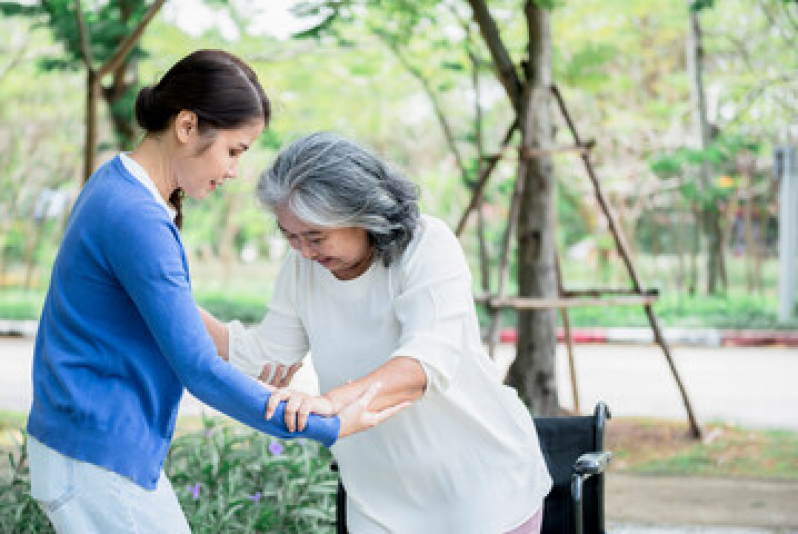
<point>586,68</point>
<point>721,154</point>
<point>698,5</point>
<point>226,307</point>
<point>227,479</point>
<point>233,480</point>
<point>19,513</point>
<point>732,312</point>
<point>20,304</point>
<point>774,456</point>
<point>107,25</point>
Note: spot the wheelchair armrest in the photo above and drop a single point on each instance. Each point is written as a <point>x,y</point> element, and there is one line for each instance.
<point>592,463</point>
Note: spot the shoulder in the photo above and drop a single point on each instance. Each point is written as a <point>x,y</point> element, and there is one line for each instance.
<point>122,212</point>
<point>116,193</point>
<point>433,243</point>
<point>432,234</point>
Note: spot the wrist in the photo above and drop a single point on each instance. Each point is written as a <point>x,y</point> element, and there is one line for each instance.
<point>335,404</point>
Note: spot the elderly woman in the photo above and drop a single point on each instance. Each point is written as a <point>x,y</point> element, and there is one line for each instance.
<point>380,294</point>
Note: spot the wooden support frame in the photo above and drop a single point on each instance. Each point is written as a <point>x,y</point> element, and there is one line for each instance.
<point>636,296</point>
<point>528,303</point>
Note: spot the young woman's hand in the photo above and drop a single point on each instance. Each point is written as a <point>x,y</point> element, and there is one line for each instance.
<point>298,407</point>
<point>357,416</point>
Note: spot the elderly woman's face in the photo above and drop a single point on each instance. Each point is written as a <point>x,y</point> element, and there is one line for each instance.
<point>346,252</point>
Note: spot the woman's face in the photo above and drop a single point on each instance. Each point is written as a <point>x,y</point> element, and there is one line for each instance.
<point>211,159</point>
<point>346,252</point>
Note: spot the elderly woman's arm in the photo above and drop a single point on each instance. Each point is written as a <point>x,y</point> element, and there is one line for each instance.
<point>274,374</point>
<point>219,333</point>
<point>403,380</point>
<point>395,385</point>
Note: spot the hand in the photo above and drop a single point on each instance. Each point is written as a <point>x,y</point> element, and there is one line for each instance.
<point>280,378</point>
<point>357,416</point>
<point>298,407</point>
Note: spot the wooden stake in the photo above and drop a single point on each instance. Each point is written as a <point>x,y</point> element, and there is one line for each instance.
<point>623,251</point>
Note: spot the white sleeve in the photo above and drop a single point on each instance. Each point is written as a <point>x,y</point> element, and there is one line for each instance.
<point>280,337</point>
<point>433,305</point>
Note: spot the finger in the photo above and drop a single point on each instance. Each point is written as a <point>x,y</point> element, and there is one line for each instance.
<point>277,377</point>
<point>389,412</point>
<point>291,410</point>
<point>290,375</point>
<point>368,395</point>
<point>274,401</point>
<point>265,373</point>
<point>302,416</point>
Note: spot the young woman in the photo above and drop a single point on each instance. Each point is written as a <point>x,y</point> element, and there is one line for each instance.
<point>120,335</point>
<point>381,294</point>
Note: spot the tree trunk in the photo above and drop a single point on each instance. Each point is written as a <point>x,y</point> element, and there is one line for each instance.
<point>89,148</point>
<point>124,81</point>
<point>712,228</point>
<point>533,371</point>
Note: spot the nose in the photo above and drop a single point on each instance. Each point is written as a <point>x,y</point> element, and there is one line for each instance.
<point>306,250</point>
<point>232,171</point>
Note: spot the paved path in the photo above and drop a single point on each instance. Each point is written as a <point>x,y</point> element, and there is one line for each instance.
<point>752,387</point>
<point>642,503</point>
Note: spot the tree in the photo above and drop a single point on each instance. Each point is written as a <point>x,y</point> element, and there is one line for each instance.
<point>526,80</point>
<point>528,88</point>
<point>109,34</point>
<point>708,210</point>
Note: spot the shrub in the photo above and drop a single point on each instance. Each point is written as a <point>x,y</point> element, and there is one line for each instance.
<point>227,479</point>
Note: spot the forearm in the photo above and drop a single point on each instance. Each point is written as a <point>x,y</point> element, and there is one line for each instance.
<point>402,379</point>
<point>218,332</point>
<point>232,393</point>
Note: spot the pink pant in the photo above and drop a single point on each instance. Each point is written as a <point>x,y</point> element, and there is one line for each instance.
<point>530,526</point>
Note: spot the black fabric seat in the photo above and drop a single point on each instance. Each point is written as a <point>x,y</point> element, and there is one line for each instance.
<point>574,450</point>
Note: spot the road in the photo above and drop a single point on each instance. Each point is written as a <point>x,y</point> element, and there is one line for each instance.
<point>751,387</point>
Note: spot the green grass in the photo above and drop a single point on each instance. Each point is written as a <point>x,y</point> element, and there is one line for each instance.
<point>663,447</point>
<point>20,304</point>
<point>242,292</point>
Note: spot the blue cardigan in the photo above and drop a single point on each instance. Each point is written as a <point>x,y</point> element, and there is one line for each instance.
<point>120,336</point>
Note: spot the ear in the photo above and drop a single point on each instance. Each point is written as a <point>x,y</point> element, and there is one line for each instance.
<point>186,125</point>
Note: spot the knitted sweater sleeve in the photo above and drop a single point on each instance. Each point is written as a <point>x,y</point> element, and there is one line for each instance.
<point>145,252</point>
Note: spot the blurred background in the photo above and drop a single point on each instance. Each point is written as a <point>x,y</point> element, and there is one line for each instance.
<point>413,81</point>
<point>691,109</point>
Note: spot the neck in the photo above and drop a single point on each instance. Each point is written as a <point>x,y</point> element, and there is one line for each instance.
<point>152,155</point>
<point>357,269</point>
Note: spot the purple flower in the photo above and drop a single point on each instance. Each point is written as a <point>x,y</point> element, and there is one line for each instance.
<point>255,498</point>
<point>276,448</point>
<point>194,490</point>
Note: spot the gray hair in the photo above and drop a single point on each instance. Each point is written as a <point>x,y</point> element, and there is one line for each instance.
<point>332,182</point>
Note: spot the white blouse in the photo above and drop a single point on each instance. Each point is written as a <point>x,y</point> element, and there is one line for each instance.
<point>464,458</point>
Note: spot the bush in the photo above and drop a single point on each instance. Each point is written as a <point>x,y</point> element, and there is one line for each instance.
<point>247,309</point>
<point>227,479</point>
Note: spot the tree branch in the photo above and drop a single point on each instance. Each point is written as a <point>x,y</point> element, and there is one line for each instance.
<point>501,58</point>
<point>436,105</point>
<point>84,37</point>
<point>130,41</point>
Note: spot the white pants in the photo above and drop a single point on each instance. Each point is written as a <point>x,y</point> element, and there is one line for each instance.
<point>82,498</point>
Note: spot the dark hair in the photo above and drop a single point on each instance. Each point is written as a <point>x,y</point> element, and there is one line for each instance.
<point>223,91</point>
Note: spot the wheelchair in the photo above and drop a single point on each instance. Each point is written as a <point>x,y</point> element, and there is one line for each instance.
<point>573,447</point>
